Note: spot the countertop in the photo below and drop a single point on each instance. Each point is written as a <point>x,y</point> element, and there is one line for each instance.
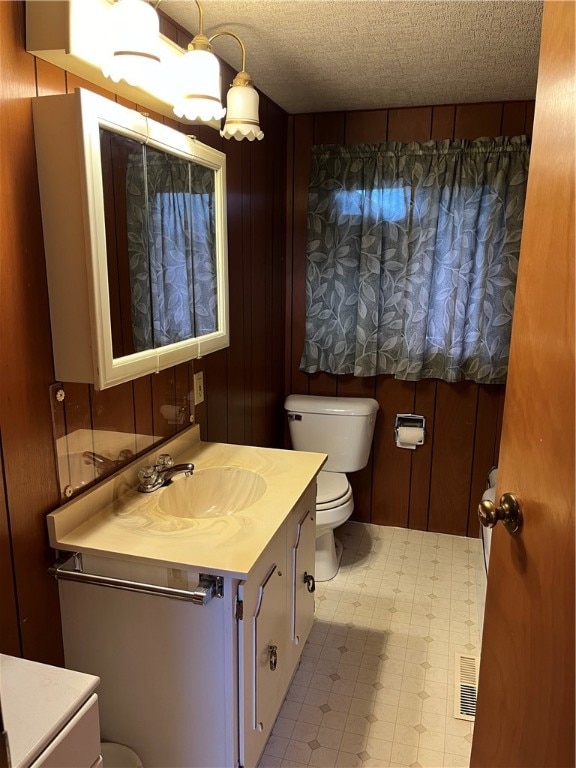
<point>114,520</point>
<point>37,702</point>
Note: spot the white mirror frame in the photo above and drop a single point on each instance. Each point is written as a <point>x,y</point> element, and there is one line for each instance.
<point>67,135</point>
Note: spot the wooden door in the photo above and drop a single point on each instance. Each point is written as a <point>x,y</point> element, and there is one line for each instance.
<point>525,711</point>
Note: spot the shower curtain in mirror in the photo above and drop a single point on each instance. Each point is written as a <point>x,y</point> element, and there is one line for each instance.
<point>171,247</point>
<point>412,258</point>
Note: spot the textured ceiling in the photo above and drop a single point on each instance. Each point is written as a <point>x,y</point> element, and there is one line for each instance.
<point>324,55</point>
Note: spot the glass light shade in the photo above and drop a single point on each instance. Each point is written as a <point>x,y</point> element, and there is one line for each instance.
<point>198,87</point>
<point>134,45</point>
<point>242,120</point>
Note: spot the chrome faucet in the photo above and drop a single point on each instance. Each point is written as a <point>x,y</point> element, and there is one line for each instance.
<point>157,475</point>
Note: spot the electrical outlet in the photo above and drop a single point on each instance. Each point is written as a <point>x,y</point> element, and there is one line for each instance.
<point>198,388</point>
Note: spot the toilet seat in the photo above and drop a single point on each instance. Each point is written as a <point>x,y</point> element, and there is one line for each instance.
<point>333,490</point>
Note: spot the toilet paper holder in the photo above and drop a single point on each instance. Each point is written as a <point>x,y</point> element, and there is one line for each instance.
<point>409,420</point>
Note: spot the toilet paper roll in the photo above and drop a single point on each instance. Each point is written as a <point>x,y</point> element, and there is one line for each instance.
<point>493,477</point>
<point>409,437</point>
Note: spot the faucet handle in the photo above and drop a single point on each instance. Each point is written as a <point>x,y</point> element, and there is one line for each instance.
<point>148,477</point>
<point>164,461</point>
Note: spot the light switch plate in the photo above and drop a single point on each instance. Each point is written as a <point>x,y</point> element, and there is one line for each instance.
<point>198,388</point>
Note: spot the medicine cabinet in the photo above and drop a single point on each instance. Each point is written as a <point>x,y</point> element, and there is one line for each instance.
<point>134,218</point>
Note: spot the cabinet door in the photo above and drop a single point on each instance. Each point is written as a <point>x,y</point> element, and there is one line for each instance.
<point>263,634</point>
<point>302,538</point>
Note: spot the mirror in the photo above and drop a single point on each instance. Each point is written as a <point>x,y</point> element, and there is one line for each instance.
<point>159,212</point>
<point>146,206</point>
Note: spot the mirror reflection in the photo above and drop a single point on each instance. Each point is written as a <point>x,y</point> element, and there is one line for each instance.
<point>160,222</point>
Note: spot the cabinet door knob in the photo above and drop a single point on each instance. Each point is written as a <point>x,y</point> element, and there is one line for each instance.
<point>309,581</point>
<point>273,657</point>
<point>508,512</point>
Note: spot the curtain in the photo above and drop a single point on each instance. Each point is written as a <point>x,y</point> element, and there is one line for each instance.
<point>412,258</point>
<point>171,248</point>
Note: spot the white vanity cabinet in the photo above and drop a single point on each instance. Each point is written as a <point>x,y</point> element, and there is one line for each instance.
<point>50,715</point>
<point>195,686</point>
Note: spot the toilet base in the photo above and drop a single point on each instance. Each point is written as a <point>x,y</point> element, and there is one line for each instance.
<point>119,756</point>
<point>328,556</point>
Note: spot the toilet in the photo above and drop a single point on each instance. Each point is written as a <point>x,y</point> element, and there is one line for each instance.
<point>118,756</point>
<point>343,428</point>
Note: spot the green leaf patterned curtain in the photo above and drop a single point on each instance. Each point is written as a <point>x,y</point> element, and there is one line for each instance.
<point>412,258</point>
<point>171,248</point>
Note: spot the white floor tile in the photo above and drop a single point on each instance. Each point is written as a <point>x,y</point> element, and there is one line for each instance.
<point>375,685</point>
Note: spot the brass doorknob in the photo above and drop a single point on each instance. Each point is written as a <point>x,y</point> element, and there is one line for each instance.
<point>508,512</point>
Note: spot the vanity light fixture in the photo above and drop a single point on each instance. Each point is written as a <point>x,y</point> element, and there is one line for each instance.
<point>134,37</point>
<point>198,79</point>
<point>242,117</point>
<point>195,77</point>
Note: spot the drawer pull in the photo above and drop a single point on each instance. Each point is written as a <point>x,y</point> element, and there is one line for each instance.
<point>273,657</point>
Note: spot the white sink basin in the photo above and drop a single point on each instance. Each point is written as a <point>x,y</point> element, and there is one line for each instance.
<point>211,492</point>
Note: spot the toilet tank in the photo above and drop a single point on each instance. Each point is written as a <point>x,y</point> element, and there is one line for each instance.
<point>342,427</point>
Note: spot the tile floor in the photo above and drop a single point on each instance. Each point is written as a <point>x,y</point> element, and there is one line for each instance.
<point>375,686</point>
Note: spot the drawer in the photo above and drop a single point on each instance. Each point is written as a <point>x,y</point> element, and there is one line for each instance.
<point>78,743</point>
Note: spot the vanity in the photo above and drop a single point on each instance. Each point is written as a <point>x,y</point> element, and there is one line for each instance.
<point>191,603</point>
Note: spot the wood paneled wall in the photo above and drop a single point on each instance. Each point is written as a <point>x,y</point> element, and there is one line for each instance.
<point>243,384</point>
<point>436,487</point>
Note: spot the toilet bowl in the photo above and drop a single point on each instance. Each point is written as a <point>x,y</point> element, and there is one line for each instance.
<point>334,505</point>
<point>343,428</point>
<point>118,756</point>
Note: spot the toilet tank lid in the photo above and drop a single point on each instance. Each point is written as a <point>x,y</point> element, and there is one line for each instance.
<point>344,406</point>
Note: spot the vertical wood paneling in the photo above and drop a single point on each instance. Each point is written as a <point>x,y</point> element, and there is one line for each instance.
<point>303,139</point>
<point>476,120</point>
<point>279,127</point>
<point>424,405</point>
<point>49,79</point>
<point>215,392</point>
<point>247,285</point>
<point>236,356</point>
<point>412,124</point>
<point>329,127</point>
<point>258,212</point>
<point>27,371</point>
<point>443,122</point>
<point>528,125</point>
<point>142,398</point>
<point>513,118</point>
<point>289,309</point>
<point>392,465</point>
<point>356,386</point>
<point>367,127</point>
<point>9,629</point>
<point>501,401</point>
<point>361,483</point>
<point>453,451</point>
